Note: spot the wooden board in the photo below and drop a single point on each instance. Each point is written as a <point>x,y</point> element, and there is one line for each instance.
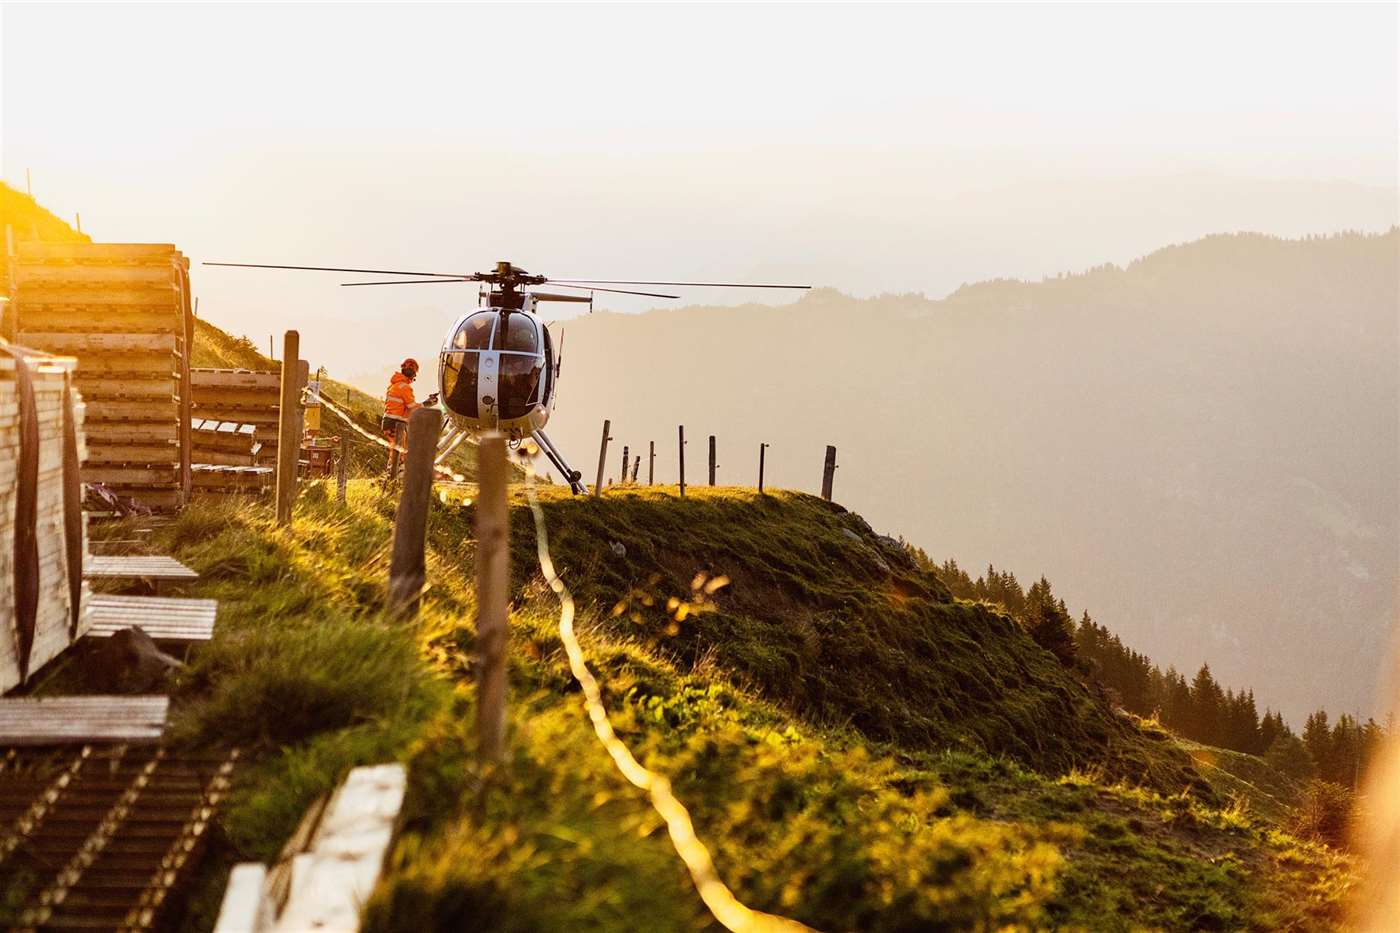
<point>82,319</point>
<point>235,378</point>
<point>255,397</point>
<point>131,432</point>
<point>260,418</point>
<point>39,275</point>
<point>124,410</point>
<point>133,567</point>
<point>163,454</point>
<point>209,457</point>
<point>334,878</point>
<point>145,475</point>
<point>109,387</point>
<point>166,620</point>
<point>78,344</point>
<point>148,365</point>
<point>31,252</point>
<point>65,720</point>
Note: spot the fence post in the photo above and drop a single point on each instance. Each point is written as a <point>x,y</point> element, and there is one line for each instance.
<point>712,460</point>
<point>342,469</point>
<point>636,465</point>
<point>682,460</point>
<point>492,595</point>
<point>602,457</point>
<point>288,442</point>
<point>622,478</point>
<point>406,565</point>
<point>828,472</point>
<point>651,464</point>
<point>762,449</point>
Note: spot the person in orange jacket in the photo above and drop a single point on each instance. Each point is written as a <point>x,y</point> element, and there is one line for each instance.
<point>398,406</point>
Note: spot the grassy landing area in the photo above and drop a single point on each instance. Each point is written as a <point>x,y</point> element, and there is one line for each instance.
<point>858,750</point>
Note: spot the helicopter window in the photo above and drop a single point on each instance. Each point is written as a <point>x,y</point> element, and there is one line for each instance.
<point>519,384</point>
<point>548,364</point>
<point>520,334</point>
<point>475,332</point>
<point>459,378</point>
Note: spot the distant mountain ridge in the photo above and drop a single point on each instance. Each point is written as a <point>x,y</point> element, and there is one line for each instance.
<point>1200,447</point>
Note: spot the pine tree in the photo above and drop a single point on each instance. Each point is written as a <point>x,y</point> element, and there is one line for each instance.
<point>1317,739</point>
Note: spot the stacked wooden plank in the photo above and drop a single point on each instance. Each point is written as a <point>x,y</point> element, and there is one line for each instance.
<point>123,309</point>
<point>241,396</point>
<point>53,626</point>
<point>224,443</point>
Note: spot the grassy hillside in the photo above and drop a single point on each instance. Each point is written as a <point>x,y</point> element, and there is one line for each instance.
<point>1131,433</point>
<point>859,751</point>
<point>30,221</point>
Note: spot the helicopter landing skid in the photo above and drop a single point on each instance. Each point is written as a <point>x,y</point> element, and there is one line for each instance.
<point>574,477</point>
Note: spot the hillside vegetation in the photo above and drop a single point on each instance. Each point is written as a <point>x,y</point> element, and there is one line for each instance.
<point>1132,433</point>
<point>859,750</point>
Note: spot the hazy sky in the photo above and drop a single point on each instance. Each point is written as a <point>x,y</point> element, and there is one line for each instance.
<point>874,148</point>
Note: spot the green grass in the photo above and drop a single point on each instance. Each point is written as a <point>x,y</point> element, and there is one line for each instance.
<point>894,813</point>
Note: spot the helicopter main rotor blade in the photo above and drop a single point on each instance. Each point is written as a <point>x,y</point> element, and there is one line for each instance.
<point>691,284</point>
<point>259,265</point>
<point>616,291</point>
<point>410,282</point>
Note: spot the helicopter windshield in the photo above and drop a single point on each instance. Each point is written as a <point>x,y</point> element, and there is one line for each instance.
<point>475,332</point>
<point>520,335</point>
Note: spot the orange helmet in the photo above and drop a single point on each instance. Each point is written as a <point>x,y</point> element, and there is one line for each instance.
<point>410,364</point>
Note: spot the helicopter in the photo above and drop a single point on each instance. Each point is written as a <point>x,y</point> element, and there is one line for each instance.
<point>498,369</point>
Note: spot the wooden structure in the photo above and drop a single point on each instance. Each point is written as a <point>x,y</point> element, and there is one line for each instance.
<point>145,567</point>
<point>171,622</point>
<point>329,867</point>
<point>58,720</point>
<point>123,309</point>
<point>250,399</point>
<point>101,836</point>
<point>224,443</point>
<point>43,537</point>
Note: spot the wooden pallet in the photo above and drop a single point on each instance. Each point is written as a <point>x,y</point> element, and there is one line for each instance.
<point>79,344</point>
<point>175,621</point>
<point>134,567</point>
<point>235,378</point>
<point>65,720</point>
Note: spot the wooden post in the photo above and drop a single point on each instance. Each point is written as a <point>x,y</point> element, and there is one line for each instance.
<point>636,465</point>
<point>406,564</point>
<point>626,456</point>
<point>712,460</point>
<point>682,461</point>
<point>762,449</point>
<point>288,418</point>
<point>602,457</point>
<point>492,595</point>
<point>828,472</point>
<point>651,464</point>
<point>342,469</point>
